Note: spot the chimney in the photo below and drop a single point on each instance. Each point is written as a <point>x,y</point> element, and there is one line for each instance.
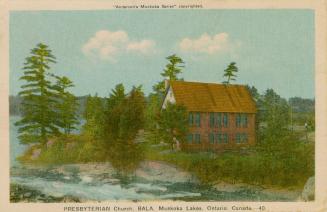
<point>166,84</point>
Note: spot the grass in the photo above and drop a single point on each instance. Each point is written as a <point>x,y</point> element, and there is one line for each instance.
<point>255,168</point>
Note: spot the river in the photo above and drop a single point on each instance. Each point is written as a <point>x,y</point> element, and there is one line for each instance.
<point>98,182</point>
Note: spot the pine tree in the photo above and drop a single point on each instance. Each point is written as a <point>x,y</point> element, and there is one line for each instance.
<point>124,119</point>
<point>67,105</point>
<point>94,116</point>
<point>230,72</point>
<point>39,99</point>
<point>132,118</point>
<point>173,68</point>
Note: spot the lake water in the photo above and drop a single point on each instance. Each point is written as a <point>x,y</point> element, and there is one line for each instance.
<point>95,185</point>
<point>16,148</point>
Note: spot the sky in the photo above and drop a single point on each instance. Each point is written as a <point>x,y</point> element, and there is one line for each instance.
<point>99,49</point>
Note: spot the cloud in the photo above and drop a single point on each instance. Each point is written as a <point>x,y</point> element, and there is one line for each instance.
<point>108,45</point>
<point>207,44</point>
<point>144,47</point>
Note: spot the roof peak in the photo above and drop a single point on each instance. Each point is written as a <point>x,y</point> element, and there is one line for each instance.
<point>208,83</point>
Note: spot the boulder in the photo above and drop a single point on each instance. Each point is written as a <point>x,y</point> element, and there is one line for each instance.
<point>160,171</point>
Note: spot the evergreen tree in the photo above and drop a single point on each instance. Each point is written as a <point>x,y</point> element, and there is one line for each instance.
<point>159,88</point>
<point>125,113</point>
<point>124,119</point>
<point>67,105</point>
<point>38,107</point>
<point>173,68</point>
<point>117,95</point>
<point>152,111</point>
<point>132,118</point>
<point>230,72</point>
<point>113,111</point>
<point>276,111</point>
<point>275,133</point>
<point>94,116</point>
<point>151,114</point>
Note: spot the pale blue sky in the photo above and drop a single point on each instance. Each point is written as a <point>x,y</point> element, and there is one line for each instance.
<point>272,48</point>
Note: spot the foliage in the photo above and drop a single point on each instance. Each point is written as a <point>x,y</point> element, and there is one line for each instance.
<point>230,72</point>
<point>46,107</point>
<point>151,113</point>
<point>303,112</point>
<point>94,117</point>
<point>124,119</point>
<point>38,106</point>
<point>159,88</point>
<point>276,116</point>
<point>173,68</point>
<point>302,105</point>
<point>66,149</point>
<point>152,110</point>
<point>173,123</point>
<point>67,105</point>
<point>132,117</point>
<point>125,156</point>
<point>254,168</point>
<point>276,110</point>
<point>254,93</point>
<point>125,113</point>
<point>116,97</point>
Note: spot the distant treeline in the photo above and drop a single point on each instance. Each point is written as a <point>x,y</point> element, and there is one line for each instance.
<point>298,104</point>
<point>301,105</point>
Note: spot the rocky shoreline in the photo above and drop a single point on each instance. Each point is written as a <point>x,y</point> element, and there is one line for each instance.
<point>20,193</point>
<point>152,177</point>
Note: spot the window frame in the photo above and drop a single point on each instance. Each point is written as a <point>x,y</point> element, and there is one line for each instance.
<point>190,119</point>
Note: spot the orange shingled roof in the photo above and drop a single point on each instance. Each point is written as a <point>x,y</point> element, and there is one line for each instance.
<point>210,97</point>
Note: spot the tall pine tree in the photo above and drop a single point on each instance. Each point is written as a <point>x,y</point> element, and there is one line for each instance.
<point>39,98</point>
<point>229,72</point>
<point>173,68</point>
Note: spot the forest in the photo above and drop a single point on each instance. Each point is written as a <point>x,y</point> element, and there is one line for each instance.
<point>128,127</point>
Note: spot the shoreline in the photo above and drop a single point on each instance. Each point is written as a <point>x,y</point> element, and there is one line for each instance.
<point>153,172</point>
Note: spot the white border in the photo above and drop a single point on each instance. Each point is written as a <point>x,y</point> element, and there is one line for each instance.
<point>320,203</point>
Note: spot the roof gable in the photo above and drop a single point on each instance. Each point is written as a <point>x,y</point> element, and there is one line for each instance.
<point>210,97</point>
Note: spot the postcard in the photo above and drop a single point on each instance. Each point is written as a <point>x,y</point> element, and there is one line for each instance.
<point>163,106</point>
